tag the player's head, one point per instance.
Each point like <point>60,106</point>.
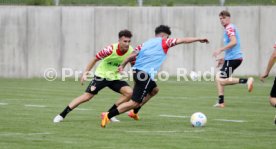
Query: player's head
<point>163,31</point>
<point>124,39</point>
<point>224,17</point>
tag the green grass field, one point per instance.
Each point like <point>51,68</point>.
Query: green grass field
<point>27,107</point>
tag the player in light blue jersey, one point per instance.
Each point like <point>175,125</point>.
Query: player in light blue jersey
<point>232,59</point>
<point>148,61</point>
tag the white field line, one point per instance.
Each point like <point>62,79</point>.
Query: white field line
<point>39,133</point>
<point>174,116</point>
<point>18,134</point>
<point>3,104</point>
<point>163,131</point>
<point>223,120</point>
<point>37,106</point>
<point>209,97</point>
<point>235,121</point>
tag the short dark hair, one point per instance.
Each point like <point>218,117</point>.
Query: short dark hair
<point>225,13</point>
<point>125,33</point>
<point>162,29</point>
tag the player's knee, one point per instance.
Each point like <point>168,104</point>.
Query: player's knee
<point>154,91</point>
<point>222,81</point>
<point>272,101</point>
<point>134,104</point>
<point>127,92</point>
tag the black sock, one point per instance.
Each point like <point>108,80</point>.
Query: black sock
<point>65,111</point>
<point>243,81</point>
<point>112,108</point>
<point>113,113</point>
<point>136,110</point>
<point>221,99</point>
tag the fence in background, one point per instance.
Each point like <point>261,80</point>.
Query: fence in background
<point>36,38</point>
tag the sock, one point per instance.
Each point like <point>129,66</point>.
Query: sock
<point>113,113</point>
<point>221,99</point>
<point>136,110</point>
<point>65,111</point>
<point>243,81</point>
<point>112,108</point>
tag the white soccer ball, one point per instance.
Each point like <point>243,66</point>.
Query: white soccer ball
<point>198,119</point>
<point>194,75</point>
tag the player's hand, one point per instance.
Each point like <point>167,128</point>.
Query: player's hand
<point>263,76</point>
<point>204,40</point>
<point>83,78</point>
<point>216,53</point>
<point>220,62</point>
<point>120,69</point>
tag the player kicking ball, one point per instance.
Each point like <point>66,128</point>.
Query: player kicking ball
<point>232,59</point>
<point>272,60</point>
<point>152,54</point>
<point>106,75</point>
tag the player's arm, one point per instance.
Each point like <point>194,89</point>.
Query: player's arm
<point>232,43</point>
<point>269,65</point>
<point>130,58</point>
<point>231,33</point>
<point>191,40</point>
<point>100,55</point>
<point>89,66</point>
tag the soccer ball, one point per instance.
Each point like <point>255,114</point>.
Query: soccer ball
<point>194,76</point>
<point>198,119</point>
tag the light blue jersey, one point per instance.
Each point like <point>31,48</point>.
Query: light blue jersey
<point>150,57</point>
<point>234,52</point>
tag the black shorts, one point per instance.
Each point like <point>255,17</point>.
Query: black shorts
<point>99,83</point>
<point>143,85</point>
<point>273,90</point>
<point>228,67</point>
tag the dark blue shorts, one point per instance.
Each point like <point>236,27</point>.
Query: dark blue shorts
<point>143,85</point>
<point>99,83</point>
<point>228,67</point>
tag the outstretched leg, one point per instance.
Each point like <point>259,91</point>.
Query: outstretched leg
<point>72,105</point>
<point>134,113</point>
<point>221,82</point>
<point>126,93</point>
<point>223,78</point>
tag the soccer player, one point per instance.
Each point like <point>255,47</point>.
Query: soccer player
<point>134,112</point>
<point>270,64</point>
<point>232,59</point>
<point>106,75</point>
<point>152,54</point>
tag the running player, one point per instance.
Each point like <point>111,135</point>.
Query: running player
<point>106,75</point>
<point>232,59</point>
<point>149,59</point>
